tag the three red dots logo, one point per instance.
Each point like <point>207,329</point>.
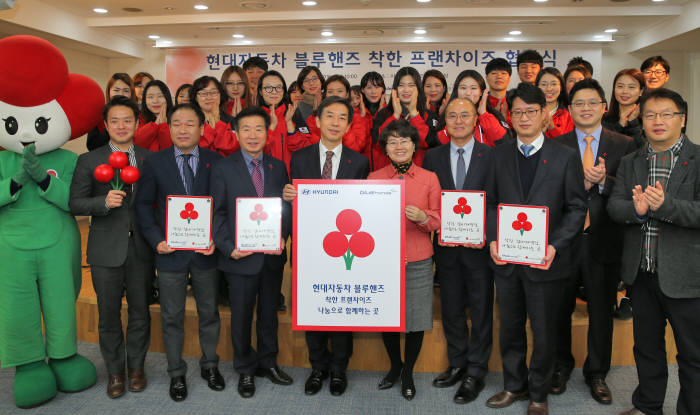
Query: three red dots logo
<point>522,224</point>
<point>462,208</point>
<point>336,243</point>
<point>189,213</point>
<point>258,214</point>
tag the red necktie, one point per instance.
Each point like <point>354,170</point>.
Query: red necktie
<point>257,177</point>
<point>327,172</point>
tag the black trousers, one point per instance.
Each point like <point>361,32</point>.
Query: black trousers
<point>469,283</point>
<point>518,298</point>
<point>651,310</point>
<point>599,280</point>
<point>243,291</point>
<point>336,359</point>
<point>108,282</point>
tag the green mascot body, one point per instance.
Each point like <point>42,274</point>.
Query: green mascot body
<point>42,106</point>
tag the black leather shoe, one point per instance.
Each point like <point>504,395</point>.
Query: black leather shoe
<point>408,388</point>
<point>339,381</point>
<point>275,374</point>
<point>468,390</point>
<point>388,381</point>
<point>214,379</point>
<point>178,388</point>
<point>281,306</point>
<point>315,381</point>
<point>558,384</point>
<point>246,385</point>
<point>599,390</point>
<point>450,377</point>
<point>624,309</point>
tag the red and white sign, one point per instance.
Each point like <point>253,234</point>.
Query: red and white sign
<point>462,217</point>
<point>258,224</point>
<point>522,233</point>
<point>188,222</point>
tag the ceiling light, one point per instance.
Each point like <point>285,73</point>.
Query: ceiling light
<point>154,37</point>
<point>326,33</point>
<point>423,1</point>
<point>420,31</point>
<point>657,1</point>
<point>101,11</point>
<point>515,32</point>
<point>541,1</point>
<point>238,36</point>
<point>308,3</point>
<point>201,7</point>
<point>611,30</point>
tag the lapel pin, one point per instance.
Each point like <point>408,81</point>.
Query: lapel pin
<point>208,165</point>
<point>605,154</point>
<point>349,161</point>
<point>544,161</point>
<point>685,163</point>
<point>478,154</point>
<point>269,165</point>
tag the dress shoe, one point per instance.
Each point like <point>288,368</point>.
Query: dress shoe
<point>137,380</point>
<point>633,411</point>
<point>624,309</point>
<point>214,379</point>
<point>339,381</point>
<point>558,384</point>
<point>388,381</point>
<point>115,385</point>
<point>506,398</point>
<point>450,377</point>
<point>315,381</point>
<point>600,391</point>
<point>408,388</point>
<point>275,374</point>
<point>468,390</point>
<point>537,408</point>
<point>246,385</point>
<point>178,388</point>
<point>281,306</point>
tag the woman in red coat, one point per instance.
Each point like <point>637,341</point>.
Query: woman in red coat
<point>559,122</point>
<point>372,88</point>
<point>235,83</point>
<point>153,132</point>
<point>209,95</point>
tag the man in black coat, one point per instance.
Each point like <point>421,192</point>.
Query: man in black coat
<point>532,171</point>
<point>251,276</point>
<point>328,160</point>
<point>183,169</point>
<point>464,272</point>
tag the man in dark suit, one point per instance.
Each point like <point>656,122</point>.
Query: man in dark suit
<point>328,160</point>
<point>251,276</point>
<point>532,171</point>
<point>657,200</point>
<point>182,170</point>
<point>118,254</point>
<point>599,244</point>
<point>464,271</point>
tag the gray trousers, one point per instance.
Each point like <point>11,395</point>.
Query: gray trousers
<point>173,293</point>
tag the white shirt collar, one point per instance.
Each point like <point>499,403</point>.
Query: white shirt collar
<point>537,144</point>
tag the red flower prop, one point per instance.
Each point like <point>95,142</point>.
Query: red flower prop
<point>258,214</point>
<point>522,224</point>
<point>336,243</point>
<point>462,208</point>
<point>119,161</point>
<point>104,173</point>
<point>189,213</point>
<point>130,174</point>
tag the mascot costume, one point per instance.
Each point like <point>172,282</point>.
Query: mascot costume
<point>42,106</point>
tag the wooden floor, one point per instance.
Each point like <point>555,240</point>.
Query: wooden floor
<point>369,353</point>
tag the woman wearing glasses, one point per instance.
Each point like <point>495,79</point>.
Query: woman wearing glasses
<point>153,132</point>
<point>558,120</point>
<point>235,82</point>
<point>623,113</point>
<point>209,95</point>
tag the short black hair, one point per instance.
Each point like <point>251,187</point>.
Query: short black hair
<point>253,112</point>
<point>664,93</point>
<point>201,83</point>
<point>255,61</point>
<point>327,101</point>
<point>529,93</point>
<point>120,101</point>
<point>588,83</point>
<point>653,60</point>
<point>399,128</point>
<point>499,64</point>
<point>579,61</point>
<point>338,78</point>
<point>374,78</point>
<point>530,56</point>
<point>285,96</point>
<point>186,106</point>
<point>305,72</point>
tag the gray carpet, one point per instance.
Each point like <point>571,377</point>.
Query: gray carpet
<point>362,396</point>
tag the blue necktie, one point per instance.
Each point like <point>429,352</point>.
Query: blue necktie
<point>527,149</point>
<point>188,173</point>
<point>461,169</point>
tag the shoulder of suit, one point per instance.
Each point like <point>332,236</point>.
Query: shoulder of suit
<point>615,136</point>
<point>481,147</point>
<point>208,154</point>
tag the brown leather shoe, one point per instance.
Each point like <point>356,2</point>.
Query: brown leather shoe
<point>506,398</point>
<point>600,391</point>
<point>537,408</point>
<point>115,385</point>
<point>137,380</point>
<point>633,411</point>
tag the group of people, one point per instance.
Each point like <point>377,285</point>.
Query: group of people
<point>619,177</point>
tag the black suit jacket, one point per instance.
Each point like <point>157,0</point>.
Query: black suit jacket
<point>558,184</point>
<point>108,240</point>
<point>160,177</point>
<point>437,160</point>
<point>306,164</point>
<point>230,179</point>
<point>606,235</point>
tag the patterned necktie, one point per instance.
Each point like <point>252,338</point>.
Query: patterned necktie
<point>327,172</point>
<point>257,177</point>
<point>461,169</point>
<point>527,149</point>
<point>588,162</point>
<point>188,173</point>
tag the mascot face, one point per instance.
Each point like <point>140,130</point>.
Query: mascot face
<point>45,125</point>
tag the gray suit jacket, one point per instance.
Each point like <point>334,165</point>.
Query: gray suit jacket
<point>108,240</point>
<point>679,233</point>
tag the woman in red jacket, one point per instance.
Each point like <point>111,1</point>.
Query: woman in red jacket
<point>559,122</point>
<point>372,87</point>
<point>435,89</point>
<point>153,132</point>
<point>235,82</point>
<point>209,95</point>
<point>491,126</point>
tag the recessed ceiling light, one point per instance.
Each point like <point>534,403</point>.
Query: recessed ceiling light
<point>423,1</point>
<point>611,30</point>
<point>657,1</point>
<point>101,11</point>
<point>238,36</point>
<point>132,9</point>
<point>201,7</point>
<point>168,8</point>
<point>515,32</point>
<point>541,1</point>
<point>308,3</point>
<point>153,37</point>
<point>420,31</point>
<point>326,33</point>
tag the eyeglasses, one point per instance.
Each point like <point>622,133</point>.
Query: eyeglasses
<point>666,116</point>
<point>398,143</point>
<point>658,72</point>
<point>529,113</point>
<point>271,89</point>
<point>238,84</point>
<point>453,116</point>
<point>310,80</point>
<point>581,103</point>
<point>208,94</point>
